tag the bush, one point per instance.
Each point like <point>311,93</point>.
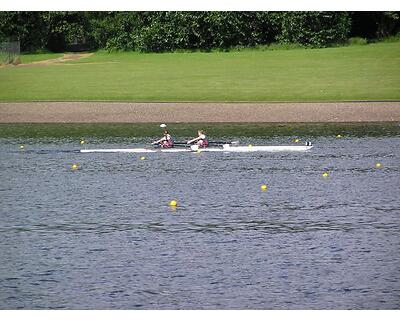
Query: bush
<point>357,41</point>
<point>169,31</point>
<point>394,38</point>
<point>284,46</point>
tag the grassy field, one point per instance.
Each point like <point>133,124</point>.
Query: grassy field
<point>368,72</point>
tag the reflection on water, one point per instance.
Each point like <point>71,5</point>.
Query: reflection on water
<point>140,130</point>
<point>104,236</point>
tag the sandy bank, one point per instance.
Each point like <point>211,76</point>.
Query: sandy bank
<point>118,112</point>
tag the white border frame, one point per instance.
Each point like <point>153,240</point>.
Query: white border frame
<point>200,5</point>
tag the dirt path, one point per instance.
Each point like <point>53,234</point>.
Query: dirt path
<point>92,112</point>
<point>65,58</point>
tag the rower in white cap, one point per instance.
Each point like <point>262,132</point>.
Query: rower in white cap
<point>166,141</point>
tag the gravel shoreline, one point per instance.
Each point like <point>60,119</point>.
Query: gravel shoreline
<point>132,112</point>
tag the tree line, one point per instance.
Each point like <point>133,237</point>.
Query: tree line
<point>170,31</point>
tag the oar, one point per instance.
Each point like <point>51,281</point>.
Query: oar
<point>223,142</point>
<point>179,143</point>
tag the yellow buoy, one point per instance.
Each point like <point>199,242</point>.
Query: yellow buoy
<point>198,151</point>
<point>250,145</point>
<point>338,136</point>
<point>378,165</point>
<point>142,158</point>
<point>296,140</point>
<point>264,187</point>
<point>82,141</point>
<point>21,147</point>
<point>325,174</point>
<point>173,203</point>
<point>74,167</point>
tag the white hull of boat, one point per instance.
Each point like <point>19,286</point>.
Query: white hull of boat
<point>135,150</point>
<point>259,148</point>
<point>225,148</point>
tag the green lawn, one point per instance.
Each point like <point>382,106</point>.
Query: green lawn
<point>369,72</point>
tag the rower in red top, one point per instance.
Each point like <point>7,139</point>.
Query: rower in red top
<point>201,139</point>
<point>166,141</point>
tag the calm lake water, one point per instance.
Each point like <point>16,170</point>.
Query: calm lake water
<point>104,236</point>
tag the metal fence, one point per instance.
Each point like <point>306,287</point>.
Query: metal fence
<point>9,52</point>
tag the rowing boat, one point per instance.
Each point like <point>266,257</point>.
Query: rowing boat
<point>224,148</point>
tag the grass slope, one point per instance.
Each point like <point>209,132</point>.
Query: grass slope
<point>369,72</point>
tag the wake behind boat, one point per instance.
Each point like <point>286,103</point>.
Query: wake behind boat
<point>195,148</point>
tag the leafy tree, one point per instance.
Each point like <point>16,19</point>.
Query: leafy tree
<point>168,31</point>
<point>66,28</point>
<point>375,24</point>
<point>28,27</point>
<point>115,30</point>
<point>314,29</point>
